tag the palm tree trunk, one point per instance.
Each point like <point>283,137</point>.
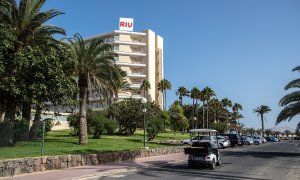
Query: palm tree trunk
<point>203,113</point>
<point>6,128</point>
<point>34,130</point>
<point>262,125</point>
<point>193,114</point>
<point>207,116</point>
<point>180,97</point>
<point>165,103</point>
<point>83,136</point>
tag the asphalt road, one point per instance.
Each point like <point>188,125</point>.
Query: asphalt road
<point>268,161</point>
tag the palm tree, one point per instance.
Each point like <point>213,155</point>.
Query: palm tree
<point>201,97</point>
<point>268,132</point>
<point>208,94</point>
<point>145,86</point>
<point>290,102</point>
<point>181,92</point>
<point>215,105</point>
<point>226,103</point>
<point>117,84</point>
<point>91,60</point>
<point>236,107</point>
<point>27,22</point>
<point>163,86</point>
<point>261,111</point>
<point>194,93</point>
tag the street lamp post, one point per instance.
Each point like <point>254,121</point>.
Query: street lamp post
<point>144,101</point>
<point>194,122</point>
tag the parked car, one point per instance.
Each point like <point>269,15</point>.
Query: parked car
<point>235,139</point>
<point>223,141</point>
<point>263,140</point>
<point>257,140</point>
<point>247,140</point>
<point>274,139</point>
<point>269,139</point>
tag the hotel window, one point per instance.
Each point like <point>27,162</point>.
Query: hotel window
<point>116,48</point>
<point>116,58</point>
<point>116,38</point>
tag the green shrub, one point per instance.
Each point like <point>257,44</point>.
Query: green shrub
<point>110,126</point>
<point>153,126</point>
<point>97,123</point>
<point>49,123</point>
<point>73,121</point>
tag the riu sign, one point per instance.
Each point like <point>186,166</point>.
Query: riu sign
<point>126,24</point>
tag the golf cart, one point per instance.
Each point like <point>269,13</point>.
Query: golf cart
<point>205,150</point>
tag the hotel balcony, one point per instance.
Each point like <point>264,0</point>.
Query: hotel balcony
<point>135,96</point>
<point>131,43</point>
<point>133,54</point>
<point>135,86</point>
<point>133,64</point>
<point>136,75</point>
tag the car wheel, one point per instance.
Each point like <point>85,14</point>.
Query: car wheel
<point>185,143</point>
<point>248,143</point>
<point>256,143</point>
<point>213,164</point>
<point>221,145</point>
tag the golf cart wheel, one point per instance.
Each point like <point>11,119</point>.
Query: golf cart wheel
<point>218,163</point>
<point>213,164</point>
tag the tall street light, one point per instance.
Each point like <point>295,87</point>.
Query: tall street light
<point>144,101</point>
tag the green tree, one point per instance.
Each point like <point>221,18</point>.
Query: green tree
<point>25,24</point>
<point>91,60</point>
<point>261,111</point>
<point>163,86</point>
<point>129,114</point>
<point>290,102</point>
<point>181,92</point>
<point>177,119</point>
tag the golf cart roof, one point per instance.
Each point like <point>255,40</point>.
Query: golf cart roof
<point>202,130</point>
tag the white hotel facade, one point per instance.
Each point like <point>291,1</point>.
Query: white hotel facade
<point>140,54</point>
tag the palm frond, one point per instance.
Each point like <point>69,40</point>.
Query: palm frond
<point>297,68</point>
<point>288,112</point>
<point>293,84</point>
<point>290,98</point>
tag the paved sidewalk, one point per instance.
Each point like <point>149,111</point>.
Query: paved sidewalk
<point>86,172</point>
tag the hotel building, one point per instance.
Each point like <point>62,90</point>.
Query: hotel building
<point>140,54</point>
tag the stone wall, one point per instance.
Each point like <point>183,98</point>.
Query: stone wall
<point>11,167</point>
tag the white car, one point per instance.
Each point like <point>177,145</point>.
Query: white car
<point>257,140</point>
<point>223,142</point>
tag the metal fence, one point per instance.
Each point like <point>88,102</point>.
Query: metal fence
<point>14,140</point>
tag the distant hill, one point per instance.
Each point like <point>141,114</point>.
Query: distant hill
<point>282,128</point>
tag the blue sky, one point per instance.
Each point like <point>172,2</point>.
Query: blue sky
<point>244,50</point>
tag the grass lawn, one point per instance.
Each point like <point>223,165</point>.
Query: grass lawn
<point>60,142</point>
